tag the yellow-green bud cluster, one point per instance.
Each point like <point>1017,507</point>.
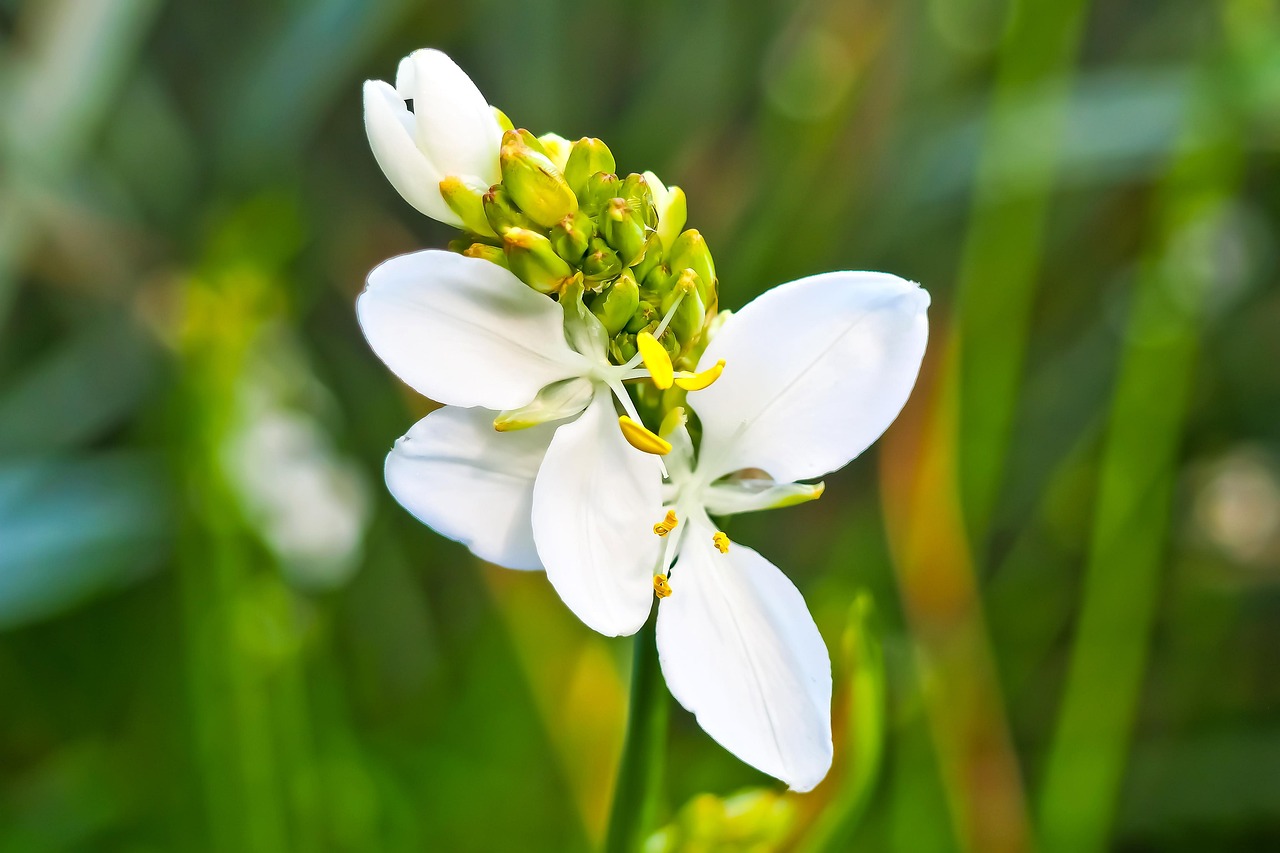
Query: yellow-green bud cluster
<point>562,216</point>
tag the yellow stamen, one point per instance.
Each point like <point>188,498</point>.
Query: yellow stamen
<point>661,587</point>
<point>721,542</point>
<point>698,381</point>
<point>641,438</point>
<point>656,360</point>
<point>668,524</point>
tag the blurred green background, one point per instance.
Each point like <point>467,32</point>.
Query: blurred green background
<point>218,632</point>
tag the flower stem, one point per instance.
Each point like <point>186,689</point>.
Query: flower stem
<point>635,795</point>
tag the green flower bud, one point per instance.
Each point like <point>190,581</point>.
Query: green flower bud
<point>535,184</point>
<point>557,149</point>
<point>615,305</point>
<point>485,252</point>
<point>531,258</point>
<point>501,212</point>
<point>601,262</point>
<point>623,229</point>
<point>686,323</point>
<point>672,208</point>
<point>532,141</point>
<point>690,251</point>
<point>588,157</point>
<point>659,281</point>
<point>635,189</point>
<point>503,121</point>
<point>599,189</point>
<point>623,348</point>
<point>467,200</point>
<point>571,235</point>
<point>646,316</point>
<point>652,257</point>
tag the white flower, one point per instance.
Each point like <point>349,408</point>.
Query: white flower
<point>575,496</point>
<point>451,132</point>
<point>816,370</point>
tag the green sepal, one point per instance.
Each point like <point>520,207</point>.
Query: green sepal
<point>466,198</point>
<point>617,303</point>
<point>588,156</point>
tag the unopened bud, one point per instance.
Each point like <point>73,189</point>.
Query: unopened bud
<point>659,281</point>
<point>535,184</point>
<point>690,251</point>
<point>690,314</point>
<point>532,141</point>
<point>588,157</point>
<point>623,348</point>
<point>601,262</point>
<point>624,230</point>
<point>600,188</point>
<point>571,235</point>
<point>635,189</point>
<point>557,149</point>
<point>617,303</point>
<point>485,252</point>
<point>467,200</point>
<point>531,258</point>
<point>672,208</point>
<point>501,212</point>
<point>503,121</point>
<point>646,316</point>
<point>652,257</point>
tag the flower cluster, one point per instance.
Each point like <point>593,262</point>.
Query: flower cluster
<point>599,410</point>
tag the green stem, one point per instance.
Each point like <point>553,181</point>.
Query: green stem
<point>635,795</point>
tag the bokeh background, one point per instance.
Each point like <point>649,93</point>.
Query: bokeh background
<point>1052,591</point>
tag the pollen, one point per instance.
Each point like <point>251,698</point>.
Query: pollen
<point>656,360</point>
<point>661,587</point>
<point>668,524</point>
<point>698,381</point>
<point>721,542</point>
<point>642,438</point>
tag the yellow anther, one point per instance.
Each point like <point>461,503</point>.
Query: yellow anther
<point>668,524</point>
<point>721,542</point>
<point>656,360</point>
<point>698,381</point>
<point>661,587</point>
<point>641,438</point>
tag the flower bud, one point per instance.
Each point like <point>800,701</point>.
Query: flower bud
<point>601,262</point>
<point>531,258</point>
<point>588,157</point>
<point>466,198</point>
<point>623,348</point>
<point>623,229</point>
<point>535,184</point>
<point>652,257</point>
<point>659,281</point>
<point>501,212</point>
<point>646,316</point>
<point>571,235</point>
<point>635,189</point>
<point>690,251</point>
<point>532,141</point>
<point>615,305</point>
<point>599,189</point>
<point>686,323</point>
<point>556,148</point>
<point>503,121</point>
<point>672,208</point>
<point>485,252</point>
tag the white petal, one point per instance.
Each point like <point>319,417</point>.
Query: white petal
<point>464,331</point>
<point>815,370</point>
<point>740,650</point>
<point>468,482</point>
<point>594,507</point>
<point>456,126</point>
<point>390,129</point>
